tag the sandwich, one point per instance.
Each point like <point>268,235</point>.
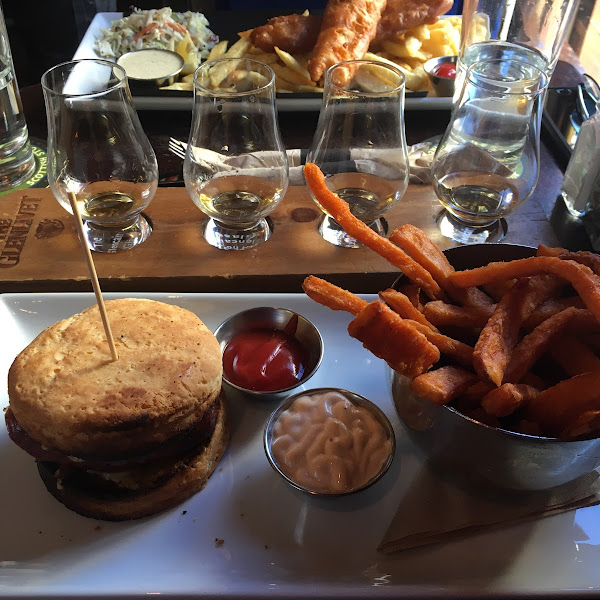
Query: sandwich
<point>121,439</point>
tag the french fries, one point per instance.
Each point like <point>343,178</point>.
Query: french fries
<point>528,363</point>
<point>409,54</point>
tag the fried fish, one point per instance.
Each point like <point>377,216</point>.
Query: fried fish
<point>347,29</point>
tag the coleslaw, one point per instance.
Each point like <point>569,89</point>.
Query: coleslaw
<point>156,28</point>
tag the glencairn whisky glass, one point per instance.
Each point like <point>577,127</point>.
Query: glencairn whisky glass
<point>236,169</point>
<point>98,150</point>
<point>360,145</point>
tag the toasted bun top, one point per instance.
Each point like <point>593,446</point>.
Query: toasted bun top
<point>67,393</point>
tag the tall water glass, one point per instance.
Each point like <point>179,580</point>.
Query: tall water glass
<point>98,150</point>
<point>529,30</point>
<point>17,162</point>
<point>236,168</point>
<point>360,144</point>
<point>487,163</point>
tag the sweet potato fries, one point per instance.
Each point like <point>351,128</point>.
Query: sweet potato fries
<point>526,360</point>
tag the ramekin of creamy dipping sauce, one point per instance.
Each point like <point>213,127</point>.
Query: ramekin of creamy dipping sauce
<point>152,65</point>
<point>329,441</point>
<point>268,351</point>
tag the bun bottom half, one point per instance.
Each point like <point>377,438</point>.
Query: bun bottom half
<point>184,483</point>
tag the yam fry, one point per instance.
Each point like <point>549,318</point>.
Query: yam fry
<point>551,307</point>
<point>421,249</point>
<point>503,401</point>
<point>535,381</point>
<point>584,425</point>
<point>471,397</point>
<point>393,339</point>
<point>574,356</point>
<point>402,305</point>
<point>497,290</point>
<point>514,378</point>
<point>332,296</point>
<point>585,282</point>
<point>340,211</point>
<point>443,385</point>
<point>411,291</point>
<point>558,405</point>
<point>589,259</point>
<point>543,250</point>
<point>418,246</point>
<point>500,334</point>
<point>455,349</point>
<point>442,314</point>
<point>529,350</point>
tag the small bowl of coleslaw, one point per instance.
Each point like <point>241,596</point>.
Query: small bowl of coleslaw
<point>329,442</point>
<point>164,37</point>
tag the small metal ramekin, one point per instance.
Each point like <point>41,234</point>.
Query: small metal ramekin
<point>356,399</point>
<point>269,317</point>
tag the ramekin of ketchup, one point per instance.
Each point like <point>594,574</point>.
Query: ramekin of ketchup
<point>445,69</point>
<point>442,74</point>
<point>268,351</point>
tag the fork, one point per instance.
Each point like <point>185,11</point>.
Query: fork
<point>178,148</point>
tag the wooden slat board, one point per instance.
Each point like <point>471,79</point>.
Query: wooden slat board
<point>39,250</point>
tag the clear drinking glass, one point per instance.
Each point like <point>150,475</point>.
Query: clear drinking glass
<point>98,150</point>
<point>17,162</point>
<point>532,31</point>
<point>236,168</point>
<point>360,144</point>
<point>487,162</point>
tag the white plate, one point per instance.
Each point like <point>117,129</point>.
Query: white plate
<point>278,543</point>
<point>184,101</point>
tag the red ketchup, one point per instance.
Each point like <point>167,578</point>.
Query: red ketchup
<point>264,360</point>
<point>447,69</point>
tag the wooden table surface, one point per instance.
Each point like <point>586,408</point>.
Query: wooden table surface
<point>39,249</point>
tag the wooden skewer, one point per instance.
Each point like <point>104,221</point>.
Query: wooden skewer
<point>93,276</point>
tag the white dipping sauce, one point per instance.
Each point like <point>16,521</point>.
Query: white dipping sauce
<point>326,443</point>
<point>151,63</point>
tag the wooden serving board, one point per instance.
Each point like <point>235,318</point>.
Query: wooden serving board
<point>39,250</point>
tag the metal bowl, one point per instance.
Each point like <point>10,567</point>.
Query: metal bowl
<point>477,453</point>
<point>269,317</point>
<point>442,86</point>
<point>356,399</point>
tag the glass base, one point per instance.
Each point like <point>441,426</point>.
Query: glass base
<point>331,231</point>
<point>17,168</point>
<point>106,238</point>
<point>226,237</point>
<point>466,233</point>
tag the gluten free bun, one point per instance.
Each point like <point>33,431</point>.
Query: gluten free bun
<point>127,438</point>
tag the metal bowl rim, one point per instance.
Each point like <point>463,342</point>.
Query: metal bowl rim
<point>353,397</point>
<point>305,377</point>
